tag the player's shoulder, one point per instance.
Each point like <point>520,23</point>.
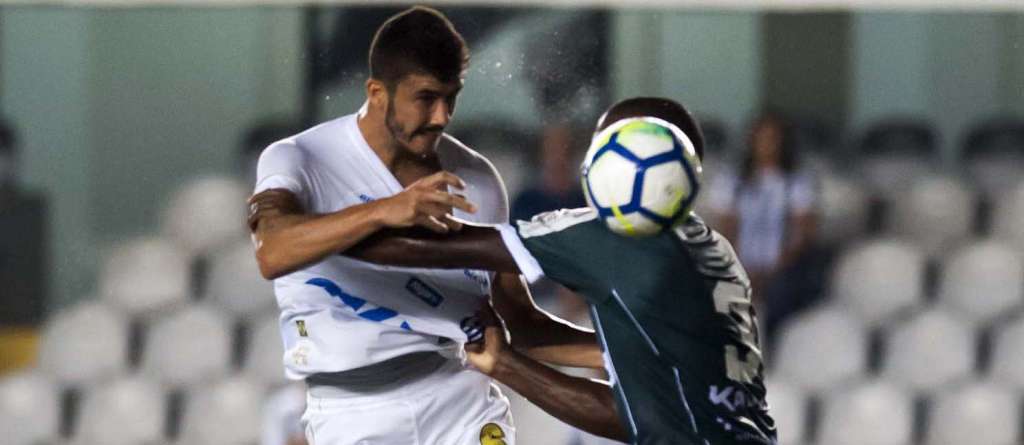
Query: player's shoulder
<point>555,221</point>
<point>302,147</point>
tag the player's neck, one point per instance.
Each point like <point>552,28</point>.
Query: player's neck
<point>379,139</point>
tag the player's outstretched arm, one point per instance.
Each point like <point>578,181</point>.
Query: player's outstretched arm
<point>288,238</point>
<point>474,247</point>
<point>586,404</point>
<point>539,334</point>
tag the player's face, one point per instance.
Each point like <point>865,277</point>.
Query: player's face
<point>419,109</point>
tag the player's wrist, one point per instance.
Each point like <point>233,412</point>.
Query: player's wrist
<point>505,362</point>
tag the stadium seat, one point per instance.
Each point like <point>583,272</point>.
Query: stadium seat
<point>932,349</point>
<point>879,279</point>
<point>235,402</point>
<point>84,344</point>
<point>876,413</point>
<point>844,209</point>
<point>979,413</point>
<point>206,214</point>
<point>821,348</point>
<point>982,281</point>
<point>235,282</point>
<point>1007,214</point>
<point>29,409</point>
<point>993,152</point>
<point>894,152</point>
<point>264,360</point>
<point>936,214</point>
<point>788,406</point>
<point>145,275</point>
<point>190,347</point>
<point>124,412</point>
<point>1007,365</point>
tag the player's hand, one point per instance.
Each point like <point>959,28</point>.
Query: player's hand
<point>487,340</point>
<point>427,203</point>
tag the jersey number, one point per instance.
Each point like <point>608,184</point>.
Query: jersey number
<point>731,300</point>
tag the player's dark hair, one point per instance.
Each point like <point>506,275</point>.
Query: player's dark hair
<point>665,109</point>
<point>419,40</point>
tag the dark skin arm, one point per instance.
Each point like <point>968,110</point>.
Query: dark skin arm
<point>288,237</point>
<point>584,403</point>
<point>537,333</point>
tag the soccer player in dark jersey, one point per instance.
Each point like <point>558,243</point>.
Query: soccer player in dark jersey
<point>672,311</point>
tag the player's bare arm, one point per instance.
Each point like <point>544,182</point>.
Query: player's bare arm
<point>584,403</point>
<point>539,334</point>
<point>288,238</point>
<point>474,247</point>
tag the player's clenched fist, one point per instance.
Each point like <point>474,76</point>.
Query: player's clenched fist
<point>426,203</point>
<point>484,353</point>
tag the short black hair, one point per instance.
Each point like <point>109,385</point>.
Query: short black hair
<point>659,107</point>
<point>419,40</point>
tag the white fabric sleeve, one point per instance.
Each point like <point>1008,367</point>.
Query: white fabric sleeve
<point>282,165</point>
<point>527,264</point>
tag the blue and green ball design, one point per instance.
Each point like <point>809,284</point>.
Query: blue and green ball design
<point>642,175</point>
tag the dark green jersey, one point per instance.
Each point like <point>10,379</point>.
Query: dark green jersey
<point>674,316</point>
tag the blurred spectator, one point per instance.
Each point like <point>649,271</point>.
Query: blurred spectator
<point>768,210</point>
<point>558,186</point>
<point>23,229</point>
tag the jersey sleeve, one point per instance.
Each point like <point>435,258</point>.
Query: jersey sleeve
<point>283,166</point>
<point>484,186</point>
<point>562,245</point>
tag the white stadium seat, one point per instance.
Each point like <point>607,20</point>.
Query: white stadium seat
<point>931,350</point>
<point>145,275</point>
<point>994,175</point>
<point>1007,366</point>
<point>189,347</point>
<point>879,279</point>
<point>887,174</point>
<point>844,209</point>
<point>206,214</point>
<point>975,414</point>
<point>1007,214</point>
<point>936,214</point>
<point>29,409</point>
<point>85,344</point>
<point>821,348</point>
<point>876,413</point>
<point>235,403</point>
<point>788,406</point>
<point>235,282</point>
<point>124,412</point>
<point>264,361</point>
<point>982,281</point>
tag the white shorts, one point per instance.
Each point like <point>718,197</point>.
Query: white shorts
<point>453,405</point>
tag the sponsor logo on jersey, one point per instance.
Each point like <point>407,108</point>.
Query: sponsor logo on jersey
<point>492,434</point>
<point>733,398</point>
<point>424,292</point>
<point>365,198</point>
<point>362,308</point>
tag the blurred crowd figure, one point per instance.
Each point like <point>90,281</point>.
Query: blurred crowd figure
<point>768,208</point>
<point>23,233</point>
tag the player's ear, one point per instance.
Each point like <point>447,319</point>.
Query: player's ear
<point>376,93</point>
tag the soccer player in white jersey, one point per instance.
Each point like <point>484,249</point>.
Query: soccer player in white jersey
<point>380,347</point>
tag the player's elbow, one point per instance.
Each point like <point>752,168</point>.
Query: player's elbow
<point>269,262</point>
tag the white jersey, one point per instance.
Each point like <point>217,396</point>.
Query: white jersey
<point>340,313</point>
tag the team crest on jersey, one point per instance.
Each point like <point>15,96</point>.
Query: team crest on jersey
<point>492,434</point>
<point>301,326</point>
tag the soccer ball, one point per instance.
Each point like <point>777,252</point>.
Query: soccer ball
<point>641,175</point>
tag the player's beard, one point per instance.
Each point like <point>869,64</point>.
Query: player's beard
<point>403,138</point>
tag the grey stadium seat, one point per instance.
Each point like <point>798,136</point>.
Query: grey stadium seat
<point>879,279</point>
<point>821,348</point>
<point>29,409</point>
<point>979,413</point>
<point>85,344</point>
<point>124,412</point>
<point>190,347</point>
<point>876,413</point>
<point>264,361</point>
<point>206,214</point>
<point>936,214</point>
<point>844,209</point>
<point>145,275</point>
<point>982,281</point>
<point>236,284</point>
<point>1007,214</point>
<point>1007,365</point>
<point>788,406</point>
<point>931,350</point>
<point>233,402</point>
